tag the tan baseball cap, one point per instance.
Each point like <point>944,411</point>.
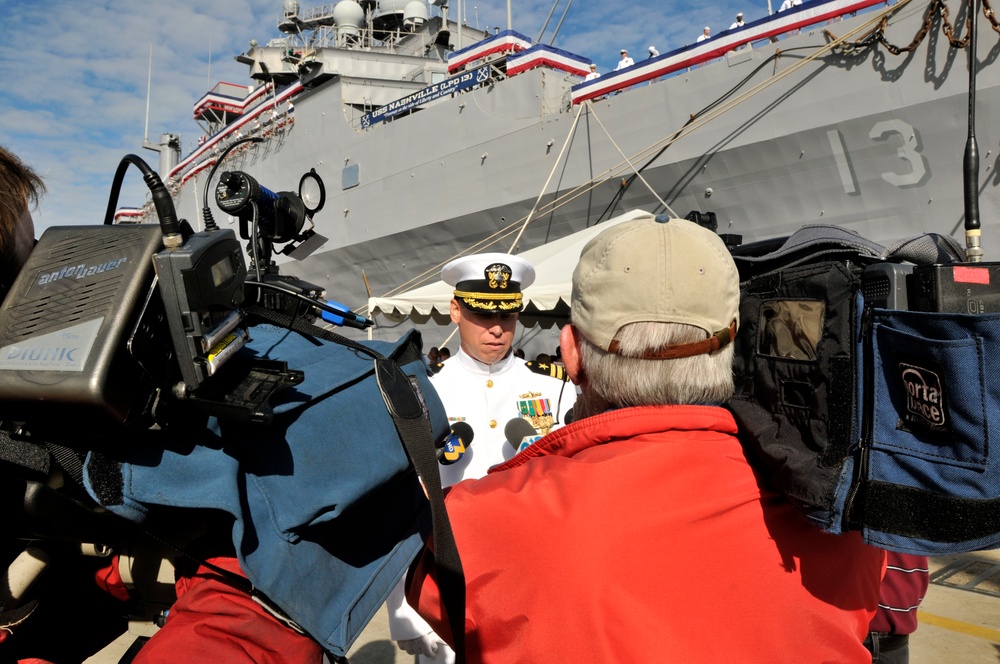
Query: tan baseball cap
<point>659,270</point>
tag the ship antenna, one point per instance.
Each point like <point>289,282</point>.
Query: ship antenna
<point>561,19</point>
<point>970,172</point>
<point>208,76</point>
<point>149,87</point>
<point>538,39</point>
<point>170,144</point>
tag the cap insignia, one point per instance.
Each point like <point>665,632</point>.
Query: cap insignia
<point>498,275</point>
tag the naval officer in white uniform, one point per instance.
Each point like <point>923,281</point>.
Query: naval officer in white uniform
<point>485,386</point>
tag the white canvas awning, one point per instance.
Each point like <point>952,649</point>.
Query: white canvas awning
<point>545,301</point>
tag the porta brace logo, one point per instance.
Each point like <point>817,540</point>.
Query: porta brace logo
<point>80,271</point>
<point>924,394</point>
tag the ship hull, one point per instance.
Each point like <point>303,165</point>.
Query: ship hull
<point>869,141</point>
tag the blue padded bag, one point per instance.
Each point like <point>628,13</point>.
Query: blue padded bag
<point>929,456</point>
<point>328,510</point>
<point>872,419</point>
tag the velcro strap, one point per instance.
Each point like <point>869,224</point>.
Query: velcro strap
<point>903,510</point>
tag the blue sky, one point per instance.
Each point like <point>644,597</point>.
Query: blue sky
<point>76,71</point>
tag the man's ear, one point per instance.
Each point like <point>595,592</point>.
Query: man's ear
<point>456,312</point>
<point>569,344</point>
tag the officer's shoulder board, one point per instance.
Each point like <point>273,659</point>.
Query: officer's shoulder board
<point>436,367</point>
<point>548,369</point>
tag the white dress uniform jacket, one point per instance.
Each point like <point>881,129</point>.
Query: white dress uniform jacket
<point>486,397</point>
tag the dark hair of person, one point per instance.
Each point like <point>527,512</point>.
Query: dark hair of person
<point>20,189</point>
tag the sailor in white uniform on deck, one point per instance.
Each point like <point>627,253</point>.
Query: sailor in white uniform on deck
<point>485,386</point>
<point>624,62</point>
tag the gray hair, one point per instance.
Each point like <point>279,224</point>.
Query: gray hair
<point>623,379</point>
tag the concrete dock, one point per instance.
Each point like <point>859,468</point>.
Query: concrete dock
<point>960,617</point>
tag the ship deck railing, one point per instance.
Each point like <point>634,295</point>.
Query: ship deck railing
<point>272,113</point>
<point>230,98</point>
<point>810,12</point>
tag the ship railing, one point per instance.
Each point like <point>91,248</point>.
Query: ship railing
<point>541,55</point>
<point>316,29</point>
<point>271,114</point>
<point>809,13</point>
<point>231,98</point>
<point>131,215</point>
<point>508,41</point>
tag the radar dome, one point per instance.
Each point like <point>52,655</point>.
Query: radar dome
<point>349,16</point>
<point>291,7</point>
<point>415,14</point>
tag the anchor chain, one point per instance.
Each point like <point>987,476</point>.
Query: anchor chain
<point>988,11</point>
<point>935,8</point>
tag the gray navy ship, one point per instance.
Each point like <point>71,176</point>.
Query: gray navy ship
<point>429,139</point>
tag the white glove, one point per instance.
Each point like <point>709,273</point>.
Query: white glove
<point>426,645</point>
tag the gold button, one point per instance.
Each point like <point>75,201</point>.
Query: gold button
<point>489,383</point>
<point>493,424</point>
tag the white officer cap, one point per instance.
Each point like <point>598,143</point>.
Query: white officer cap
<point>489,283</point>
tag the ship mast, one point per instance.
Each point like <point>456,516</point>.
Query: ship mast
<point>169,147</point>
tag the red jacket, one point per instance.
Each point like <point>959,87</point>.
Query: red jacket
<point>642,534</point>
<point>214,622</point>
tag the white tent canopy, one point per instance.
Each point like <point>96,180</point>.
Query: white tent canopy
<point>545,300</point>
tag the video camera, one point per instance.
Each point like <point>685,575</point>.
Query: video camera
<point>113,321</point>
<point>120,343</point>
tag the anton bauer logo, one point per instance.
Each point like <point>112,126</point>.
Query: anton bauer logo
<point>924,395</point>
<point>80,271</point>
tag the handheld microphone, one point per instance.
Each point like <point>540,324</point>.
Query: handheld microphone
<point>457,443</point>
<point>519,433</point>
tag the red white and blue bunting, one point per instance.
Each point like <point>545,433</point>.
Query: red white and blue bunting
<point>507,41</point>
<point>196,161</point>
<point>540,54</point>
<point>808,13</point>
<point>216,100</point>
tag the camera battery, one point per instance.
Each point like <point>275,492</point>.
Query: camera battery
<point>67,320</point>
<point>967,288</point>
